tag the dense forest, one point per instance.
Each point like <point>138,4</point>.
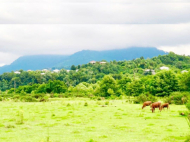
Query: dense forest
<point>111,79</point>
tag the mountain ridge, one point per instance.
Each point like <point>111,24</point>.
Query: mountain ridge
<point>38,62</point>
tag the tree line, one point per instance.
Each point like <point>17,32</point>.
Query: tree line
<point>115,78</point>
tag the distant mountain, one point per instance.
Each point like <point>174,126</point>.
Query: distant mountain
<point>36,62</point>
<point>33,62</point>
<point>85,56</point>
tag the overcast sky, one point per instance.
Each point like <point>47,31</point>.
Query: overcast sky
<point>29,27</point>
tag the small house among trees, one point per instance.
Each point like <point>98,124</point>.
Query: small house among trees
<point>184,71</point>
<point>56,71</point>
<point>102,62</point>
<point>92,62</point>
<point>164,68</point>
<point>17,72</point>
<point>149,71</point>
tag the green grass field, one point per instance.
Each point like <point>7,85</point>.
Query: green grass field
<point>68,120</point>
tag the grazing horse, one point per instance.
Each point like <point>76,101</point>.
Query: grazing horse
<point>156,105</point>
<point>147,103</point>
<point>165,105</point>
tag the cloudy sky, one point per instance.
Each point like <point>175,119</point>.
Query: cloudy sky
<point>29,27</point>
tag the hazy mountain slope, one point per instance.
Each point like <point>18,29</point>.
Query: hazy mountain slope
<point>35,62</point>
<point>86,56</point>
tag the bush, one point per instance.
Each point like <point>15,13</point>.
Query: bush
<point>85,104</point>
<point>143,98</point>
<point>16,97</point>
<point>107,103</point>
<point>38,95</point>
<point>188,105</point>
<point>44,99</point>
<point>188,139</point>
<point>1,99</point>
<point>178,98</point>
<point>29,99</point>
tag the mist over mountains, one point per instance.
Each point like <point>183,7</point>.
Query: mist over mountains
<point>38,62</point>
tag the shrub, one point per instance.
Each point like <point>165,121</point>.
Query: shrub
<point>143,98</point>
<point>188,139</point>
<point>177,98</point>
<point>38,95</point>
<point>107,103</point>
<point>16,97</point>
<point>11,91</point>
<point>99,99</point>
<point>9,126</point>
<point>60,96</point>
<point>188,105</point>
<point>68,104</point>
<point>44,99</point>
<point>1,99</point>
<point>85,104</point>
<point>28,99</point>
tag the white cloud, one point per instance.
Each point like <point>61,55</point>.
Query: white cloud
<point>7,58</point>
<point>67,26</point>
<point>180,49</point>
<point>67,39</point>
<point>94,13</point>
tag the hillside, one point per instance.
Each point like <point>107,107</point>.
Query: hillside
<point>92,73</point>
<point>35,62</point>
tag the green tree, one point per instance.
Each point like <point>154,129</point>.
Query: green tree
<point>73,67</point>
<point>135,88</point>
<point>108,83</point>
<point>163,83</point>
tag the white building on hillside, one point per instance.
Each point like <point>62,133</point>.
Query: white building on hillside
<point>103,62</point>
<point>164,68</point>
<point>92,62</point>
<point>17,72</point>
<point>56,71</point>
<point>184,71</point>
<point>149,70</point>
<point>45,70</point>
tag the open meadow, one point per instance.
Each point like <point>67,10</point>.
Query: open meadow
<point>85,120</point>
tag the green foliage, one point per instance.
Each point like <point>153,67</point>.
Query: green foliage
<point>188,106</point>
<point>16,97</point>
<point>135,88</point>
<point>85,104</point>
<point>107,103</point>
<point>108,86</point>
<point>28,99</point>
<point>73,67</point>
<point>112,79</point>
<point>10,91</point>
<point>163,83</point>
<point>178,98</point>
<point>188,139</point>
<point>185,81</point>
<point>144,97</point>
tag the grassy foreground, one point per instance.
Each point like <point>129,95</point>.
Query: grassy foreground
<point>68,120</point>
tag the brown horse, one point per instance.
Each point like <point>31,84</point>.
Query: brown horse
<point>166,105</point>
<point>147,103</point>
<point>155,105</point>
